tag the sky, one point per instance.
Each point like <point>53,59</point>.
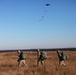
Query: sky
<point>29,24</point>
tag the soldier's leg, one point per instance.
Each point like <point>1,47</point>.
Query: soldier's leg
<point>23,61</point>
<point>19,63</point>
<point>38,61</point>
<point>42,62</point>
<point>63,63</point>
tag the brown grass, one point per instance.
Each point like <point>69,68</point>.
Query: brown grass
<point>9,66</point>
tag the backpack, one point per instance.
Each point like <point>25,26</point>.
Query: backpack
<point>67,56</point>
<point>43,55</point>
<point>64,56</point>
<point>23,56</point>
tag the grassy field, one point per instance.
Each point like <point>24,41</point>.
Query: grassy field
<point>9,65</point>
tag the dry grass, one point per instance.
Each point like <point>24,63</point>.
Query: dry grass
<point>9,66</point>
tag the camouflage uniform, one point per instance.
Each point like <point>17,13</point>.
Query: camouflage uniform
<point>20,59</point>
<point>60,56</point>
<point>40,59</point>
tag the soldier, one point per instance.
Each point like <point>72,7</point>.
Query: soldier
<point>21,58</point>
<point>41,56</point>
<point>62,57</point>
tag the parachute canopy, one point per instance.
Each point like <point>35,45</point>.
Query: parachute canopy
<point>47,4</point>
<point>43,16</point>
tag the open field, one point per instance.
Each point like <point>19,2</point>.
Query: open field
<point>9,66</point>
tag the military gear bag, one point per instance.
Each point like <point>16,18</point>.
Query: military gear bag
<point>43,55</point>
<point>23,56</point>
<point>65,57</point>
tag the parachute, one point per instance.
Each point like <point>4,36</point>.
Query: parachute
<point>47,4</point>
<point>43,16</point>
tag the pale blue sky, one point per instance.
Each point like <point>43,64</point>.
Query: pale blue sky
<point>20,27</point>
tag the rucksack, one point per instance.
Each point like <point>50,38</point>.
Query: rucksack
<point>67,56</point>
<point>23,56</point>
<point>64,56</point>
<point>43,55</point>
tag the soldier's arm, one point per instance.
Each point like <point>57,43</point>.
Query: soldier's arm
<point>58,52</point>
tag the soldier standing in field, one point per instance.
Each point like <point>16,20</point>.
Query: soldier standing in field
<point>41,56</point>
<point>62,57</point>
<point>21,58</point>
